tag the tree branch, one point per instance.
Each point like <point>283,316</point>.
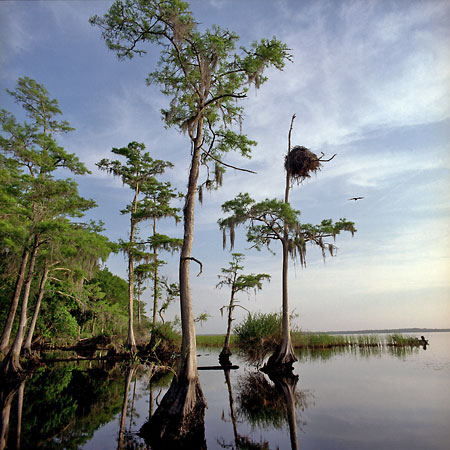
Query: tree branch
<point>325,160</point>
<point>197,261</point>
<point>225,164</point>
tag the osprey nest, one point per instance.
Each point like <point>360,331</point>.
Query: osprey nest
<point>300,162</point>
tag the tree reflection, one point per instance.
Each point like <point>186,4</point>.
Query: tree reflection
<point>240,441</point>
<point>6,397</point>
<point>123,416</point>
<point>60,407</point>
<point>263,403</point>
<point>162,434</point>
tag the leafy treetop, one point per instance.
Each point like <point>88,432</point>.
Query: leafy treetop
<point>267,220</point>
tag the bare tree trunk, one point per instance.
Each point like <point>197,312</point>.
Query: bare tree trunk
<point>19,413</point>
<point>139,309</point>
<point>6,398</point>
<point>231,401</point>
<point>11,363</point>
<point>188,365</point>
<point>180,415</point>
<point>224,357</point>
<point>4,344</point>
<point>155,279</point>
<point>132,405</point>
<point>284,356</point>
<point>287,386</point>
<point>123,416</point>
<point>131,341</point>
<point>27,345</point>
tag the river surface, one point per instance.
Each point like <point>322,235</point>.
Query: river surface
<point>349,399</point>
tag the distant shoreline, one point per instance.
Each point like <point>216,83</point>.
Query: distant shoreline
<point>390,330</point>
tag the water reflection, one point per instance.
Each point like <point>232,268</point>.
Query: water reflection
<point>123,416</point>
<point>240,441</point>
<point>264,404</point>
<point>6,397</point>
<point>103,405</point>
<point>61,407</point>
<point>162,433</point>
<point>326,354</point>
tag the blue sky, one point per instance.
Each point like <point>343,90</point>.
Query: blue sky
<point>370,81</point>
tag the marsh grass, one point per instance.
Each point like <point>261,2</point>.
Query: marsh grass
<point>214,340</point>
<point>398,340</point>
<point>260,332</point>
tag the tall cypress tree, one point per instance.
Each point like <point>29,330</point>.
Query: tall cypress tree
<point>205,77</point>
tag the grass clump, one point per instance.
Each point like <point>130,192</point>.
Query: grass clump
<point>398,340</point>
<point>319,340</point>
<point>259,330</point>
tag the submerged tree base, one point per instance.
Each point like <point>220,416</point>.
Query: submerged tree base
<point>224,357</point>
<point>179,421</point>
<point>10,368</point>
<point>280,363</point>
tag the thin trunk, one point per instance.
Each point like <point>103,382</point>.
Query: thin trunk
<point>11,363</point>
<point>226,345</point>
<point>19,413</point>
<point>155,279</point>
<point>132,405</point>
<point>6,398</point>
<point>123,416</point>
<point>93,325</point>
<point>231,401</point>
<point>131,341</point>
<point>139,308</point>
<point>27,345</point>
<point>4,344</point>
<point>224,356</point>
<point>284,356</point>
<point>151,401</point>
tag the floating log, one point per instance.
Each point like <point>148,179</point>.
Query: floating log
<point>217,367</point>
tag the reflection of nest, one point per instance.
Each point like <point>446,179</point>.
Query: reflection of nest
<point>300,162</point>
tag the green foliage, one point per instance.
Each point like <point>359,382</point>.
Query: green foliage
<point>201,72</point>
<point>238,283</point>
<point>259,330</point>
<point>203,317</point>
<point>33,143</point>
<point>139,167</point>
<point>274,220</point>
<point>167,335</point>
<point>64,406</point>
<point>263,404</point>
<point>399,340</point>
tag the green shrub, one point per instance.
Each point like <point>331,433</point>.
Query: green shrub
<point>166,334</point>
<point>259,330</point>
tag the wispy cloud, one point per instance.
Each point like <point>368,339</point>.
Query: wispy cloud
<point>15,38</point>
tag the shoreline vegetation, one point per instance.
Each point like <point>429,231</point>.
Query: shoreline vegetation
<point>163,355</point>
<point>306,340</point>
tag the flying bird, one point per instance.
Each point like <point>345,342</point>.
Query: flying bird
<point>356,198</point>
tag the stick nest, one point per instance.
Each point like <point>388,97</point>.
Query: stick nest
<point>301,162</point>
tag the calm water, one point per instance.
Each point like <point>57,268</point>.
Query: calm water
<point>342,400</point>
